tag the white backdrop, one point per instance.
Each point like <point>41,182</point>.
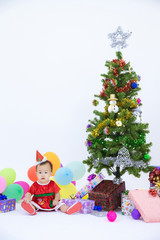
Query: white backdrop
<point>51,56</point>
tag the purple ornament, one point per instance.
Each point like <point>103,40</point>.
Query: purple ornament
<point>89,144</point>
<point>135,214</point>
<point>139,77</point>
<point>91,177</point>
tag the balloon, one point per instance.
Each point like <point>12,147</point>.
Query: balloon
<point>78,169</point>
<point>74,183</point>
<point>32,174</point>
<point>14,191</point>
<point>24,185</point>
<point>3,184</point>
<point>54,159</point>
<point>67,190</point>
<point>63,176</point>
<point>61,165</point>
<point>9,174</point>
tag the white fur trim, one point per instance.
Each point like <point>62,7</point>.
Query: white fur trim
<point>43,160</point>
<point>51,209</point>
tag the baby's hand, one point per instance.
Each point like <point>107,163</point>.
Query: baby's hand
<point>55,202</point>
<point>27,198</point>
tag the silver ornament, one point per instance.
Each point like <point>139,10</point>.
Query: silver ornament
<point>119,38</point>
<point>123,158</point>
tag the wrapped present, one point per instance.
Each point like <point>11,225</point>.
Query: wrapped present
<point>107,194</point>
<point>154,176</point>
<point>7,205</point>
<point>87,205</point>
<point>126,204</point>
<point>93,183</point>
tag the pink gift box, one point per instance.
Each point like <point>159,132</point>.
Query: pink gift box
<point>87,205</point>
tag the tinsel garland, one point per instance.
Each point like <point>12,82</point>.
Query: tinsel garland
<point>122,104</point>
<point>112,123</point>
<point>122,160</point>
<point>126,88</point>
<point>132,143</point>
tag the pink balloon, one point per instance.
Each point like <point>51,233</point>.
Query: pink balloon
<point>3,184</point>
<point>74,182</point>
<point>25,187</point>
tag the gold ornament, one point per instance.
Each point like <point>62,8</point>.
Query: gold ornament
<point>157,184</point>
<point>118,123</point>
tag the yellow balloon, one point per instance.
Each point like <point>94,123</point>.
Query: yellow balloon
<point>54,159</point>
<point>66,190</point>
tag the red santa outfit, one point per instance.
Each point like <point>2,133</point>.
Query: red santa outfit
<point>44,194</point>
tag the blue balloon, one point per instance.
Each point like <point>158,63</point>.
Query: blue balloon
<point>63,176</point>
<point>78,169</point>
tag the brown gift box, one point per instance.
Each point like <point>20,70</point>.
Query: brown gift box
<point>107,194</point>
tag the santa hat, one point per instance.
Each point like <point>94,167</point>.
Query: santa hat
<point>40,158</point>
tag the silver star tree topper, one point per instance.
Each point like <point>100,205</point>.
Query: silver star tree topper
<point>119,38</point>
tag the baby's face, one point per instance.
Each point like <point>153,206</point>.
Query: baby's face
<point>44,173</point>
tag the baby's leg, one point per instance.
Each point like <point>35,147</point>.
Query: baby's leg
<point>63,208</point>
<point>28,207</point>
<point>72,209</point>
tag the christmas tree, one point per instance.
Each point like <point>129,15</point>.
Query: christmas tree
<point>116,137</point>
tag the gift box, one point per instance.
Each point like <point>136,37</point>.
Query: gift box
<point>107,194</point>
<point>87,205</point>
<point>127,205</point>
<point>7,205</point>
<point>153,175</point>
<point>92,184</point>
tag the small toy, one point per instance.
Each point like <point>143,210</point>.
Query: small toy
<point>111,215</point>
<point>135,214</point>
<point>97,208</point>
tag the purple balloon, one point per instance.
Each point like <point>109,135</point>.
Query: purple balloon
<point>24,185</point>
<point>61,165</point>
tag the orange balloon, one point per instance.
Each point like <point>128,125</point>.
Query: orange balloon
<point>32,174</point>
<point>54,159</point>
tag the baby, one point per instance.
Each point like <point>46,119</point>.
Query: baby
<point>45,192</point>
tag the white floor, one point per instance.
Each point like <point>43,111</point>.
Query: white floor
<point>18,225</point>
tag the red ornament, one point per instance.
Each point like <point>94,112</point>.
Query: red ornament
<point>106,130</point>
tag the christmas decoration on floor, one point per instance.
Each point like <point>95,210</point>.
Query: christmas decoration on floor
<point>107,195</point>
<point>127,205</point>
<point>147,205</point>
<point>116,138</point>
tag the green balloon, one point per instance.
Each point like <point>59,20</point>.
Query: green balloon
<point>77,168</point>
<point>9,174</point>
<point>14,191</point>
